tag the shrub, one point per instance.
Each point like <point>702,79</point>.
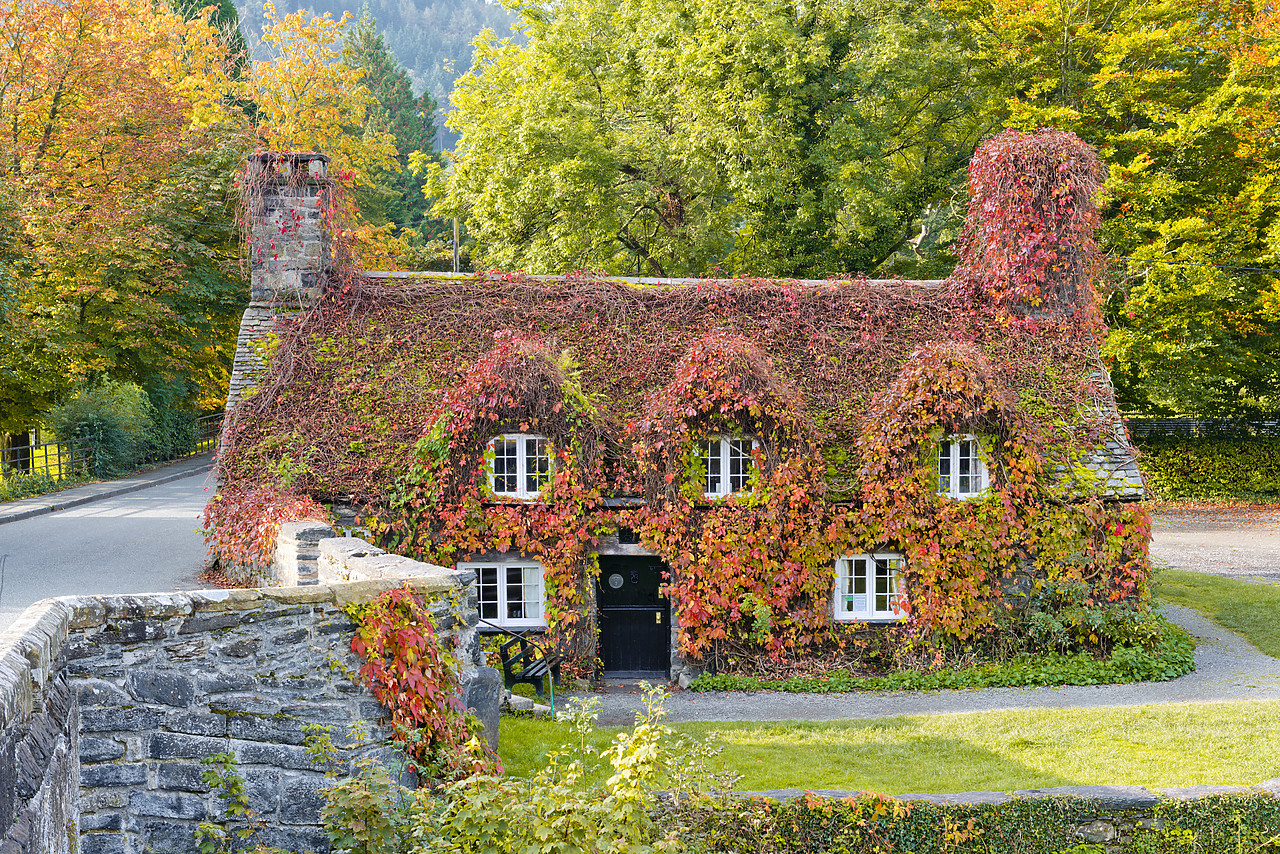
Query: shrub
<point>113,418</point>
<point>1171,654</point>
<point>553,810</point>
<point>241,526</point>
<point>1212,467</point>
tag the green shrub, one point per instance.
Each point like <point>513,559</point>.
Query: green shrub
<point>1171,654</point>
<point>1212,467</point>
<point>113,418</point>
<point>873,824</point>
<point>124,426</point>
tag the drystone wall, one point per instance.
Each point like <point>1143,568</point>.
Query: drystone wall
<point>110,705</point>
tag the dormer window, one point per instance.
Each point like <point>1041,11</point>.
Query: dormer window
<point>521,465</point>
<point>961,470</point>
<point>728,464</point>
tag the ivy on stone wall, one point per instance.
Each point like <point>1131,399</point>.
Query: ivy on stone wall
<point>388,395</point>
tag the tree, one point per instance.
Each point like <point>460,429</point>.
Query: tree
<point>410,120</point>
<point>671,137</point>
<point>104,106</point>
<point>307,99</point>
<point>1181,99</point>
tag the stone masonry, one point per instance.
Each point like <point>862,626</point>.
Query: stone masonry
<point>288,252</point>
<point>111,702</point>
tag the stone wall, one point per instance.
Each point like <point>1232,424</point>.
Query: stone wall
<point>111,703</point>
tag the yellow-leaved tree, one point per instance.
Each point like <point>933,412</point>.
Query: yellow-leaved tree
<point>308,99</point>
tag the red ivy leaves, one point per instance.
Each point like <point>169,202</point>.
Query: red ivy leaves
<point>241,523</point>
<point>1027,248</point>
<point>408,672</point>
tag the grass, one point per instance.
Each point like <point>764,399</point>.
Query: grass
<point>1247,608</point>
<point>1163,746</point>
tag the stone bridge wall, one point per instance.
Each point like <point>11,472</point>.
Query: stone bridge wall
<point>110,703</point>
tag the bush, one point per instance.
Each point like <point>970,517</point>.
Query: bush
<point>873,824</point>
<point>124,427</point>
<point>554,810</point>
<point>1212,467</point>
<point>1171,655</point>
<point>112,418</point>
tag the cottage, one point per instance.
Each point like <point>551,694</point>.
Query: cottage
<point>666,475</point>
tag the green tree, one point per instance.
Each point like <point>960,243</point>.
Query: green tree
<point>671,137</point>
<point>1176,95</point>
<point>396,196</point>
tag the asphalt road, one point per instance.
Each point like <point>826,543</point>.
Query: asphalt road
<point>143,542</point>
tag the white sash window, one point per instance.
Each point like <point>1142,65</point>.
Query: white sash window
<point>728,464</point>
<point>962,471</point>
<point>868,587</point>
<point>521,465</point>
<point>510,593</point>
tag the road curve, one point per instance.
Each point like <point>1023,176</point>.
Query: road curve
<point>146,541</point>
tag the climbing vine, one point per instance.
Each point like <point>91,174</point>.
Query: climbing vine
<point>408,670</point>
<point>444,508</point>
<point>387,396</point>
<point>242,521</point>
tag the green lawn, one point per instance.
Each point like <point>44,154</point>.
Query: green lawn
<point>1155,746</point>
<point>1248,608</point>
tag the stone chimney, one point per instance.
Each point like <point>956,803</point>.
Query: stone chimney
<point>288,251</point>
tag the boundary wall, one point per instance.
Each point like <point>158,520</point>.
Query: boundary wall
<point>108,704</point>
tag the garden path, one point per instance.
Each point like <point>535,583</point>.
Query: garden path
<point>1227,668</point>
<point>1236,540</point>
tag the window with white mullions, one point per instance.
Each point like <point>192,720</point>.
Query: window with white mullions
<point>962,473</point>
<point>728,464</point>
<point>510,593</point>
<point>868,587</point>
<point>521,465</point>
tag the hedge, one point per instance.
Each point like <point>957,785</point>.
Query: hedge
<point>870,824</point>
<point>1212,467</point>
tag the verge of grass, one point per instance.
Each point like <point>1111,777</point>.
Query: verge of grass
<point>1247,608</point>
<point>1165,746</point>
<point>15,486</point>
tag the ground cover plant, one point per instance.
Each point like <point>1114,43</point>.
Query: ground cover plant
<point>1161,746</point>
<point>1169,653</point>
<point>1251,609</point>
<point>847,388</point>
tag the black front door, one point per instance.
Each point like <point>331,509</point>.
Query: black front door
<point>635,619</point>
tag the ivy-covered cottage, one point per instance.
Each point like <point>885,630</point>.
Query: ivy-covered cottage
<point>667,475</point>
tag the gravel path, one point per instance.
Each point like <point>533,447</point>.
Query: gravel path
<point>1236,540</point>
<point>1227,668</point>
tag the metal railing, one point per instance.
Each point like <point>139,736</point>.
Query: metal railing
<point>56,460</point>
<point>209,429</point>
<point>1200,428</point>
<point>60,460</point>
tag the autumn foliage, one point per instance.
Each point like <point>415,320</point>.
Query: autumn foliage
<point>846,387</point>
<point>411,673</point>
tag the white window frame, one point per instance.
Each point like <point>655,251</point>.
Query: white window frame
<point>961,467</point>
<point>494,588</point>
<point>881,576</point>
<point>524,461</point>
<point>721,452</point>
